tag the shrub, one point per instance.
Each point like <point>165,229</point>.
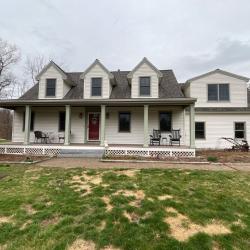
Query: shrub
<point>212,158</point>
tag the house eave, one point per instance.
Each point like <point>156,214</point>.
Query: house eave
<point>109,102</point>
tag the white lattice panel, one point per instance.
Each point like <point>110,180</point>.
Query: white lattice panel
<point>151,152</point>
<point>34,151</point>
<point>16,150</point>
<point>2,150</point>
<point>52,151</point>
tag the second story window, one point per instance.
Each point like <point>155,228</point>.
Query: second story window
<point>96,86</point>
<point>218,92</point>
<point>51,87</point>
<point>144,86</point>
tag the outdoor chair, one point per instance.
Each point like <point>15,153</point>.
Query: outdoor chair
<point>155,137</point>
<point>175,137</point>
<point>39,135</point>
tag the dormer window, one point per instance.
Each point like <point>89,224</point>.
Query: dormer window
<point>50,87</point>
<point>218,92</point>
<point>145,86</point>
<point>96,86</point>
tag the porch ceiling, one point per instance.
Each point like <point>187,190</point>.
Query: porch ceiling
<point>109,102</point>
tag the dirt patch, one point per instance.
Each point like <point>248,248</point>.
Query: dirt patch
<point>225,156</point>
<point>3,247</point>
<point>132,217</point>
<point>51,221</point>
<point>21,158</point>
<point>106,200</point>
<point>182,228</point>
<point>34,169</point>
<point>165,197</point>
<point>138,194</point>
<point>83,182</point>
<point>128,172</point>
<point>88,245</point>
<point>102,225</point>
<point>4,219</point>
<point>29,209</point>
<point>82,245</point>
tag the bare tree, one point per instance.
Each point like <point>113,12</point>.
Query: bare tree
<point>9,56</point>
<point>34,65</point>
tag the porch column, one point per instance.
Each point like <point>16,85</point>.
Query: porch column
<point>191,126</point>
<point>67,124</point>
<point>146,137</point>
<point>27,124</point>
<point>103,118</point>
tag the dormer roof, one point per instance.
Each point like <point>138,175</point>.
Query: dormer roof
<point>97,62</point>
<point>146,61</point>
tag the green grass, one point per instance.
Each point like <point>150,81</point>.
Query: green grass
<point>56,214</point>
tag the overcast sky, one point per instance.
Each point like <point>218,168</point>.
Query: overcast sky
<point>188,36</point>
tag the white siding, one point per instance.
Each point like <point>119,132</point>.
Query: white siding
<point>145,70</point>
<point>47,120</point>
<point>238,91</point>
<point>217,126</point>
<point>61,87</point>
<point>97,71</point>
<point>136,136</point>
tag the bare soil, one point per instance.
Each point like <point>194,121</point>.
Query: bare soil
<point>21,158</point>
<point>225,156</point>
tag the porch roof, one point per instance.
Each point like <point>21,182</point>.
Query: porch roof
<point>109,102</point>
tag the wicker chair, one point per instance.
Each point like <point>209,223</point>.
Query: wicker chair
<point>39,135</point>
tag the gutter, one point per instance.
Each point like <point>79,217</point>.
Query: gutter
<point>89,102</point>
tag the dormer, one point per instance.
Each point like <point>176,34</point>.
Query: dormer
<point>53,82</point>
<point>144,79</point>
<point>218,88</point>
<point>97,81</point>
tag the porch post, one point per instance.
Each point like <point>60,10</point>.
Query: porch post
<point>67,124</point>
<point>27,124</point>
<point>103,118</point>
<point>146,137</point>
<point>191,126</point>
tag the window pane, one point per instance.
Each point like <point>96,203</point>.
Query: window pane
<point>145,86</point>
<point>96,86</point>
<point>51,87</point>
<point>239,126</point>
<point>200,130</point>
<point>62,121</point>
<point>240,134</point>
<point>165,121</point>
<point>124,122</point>
<point>224,92</point>
<point>212,92</point>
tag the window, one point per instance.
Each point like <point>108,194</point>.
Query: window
<point>96,87</point>
<point>199,130</point>
<point>218,92</point>
<point>239,130</point>
<point>61,121</point>
<point>145,86</point>
<point>165,121</point>
<point>124,121</point>
<point>32,119</point>
<point>51,87</point>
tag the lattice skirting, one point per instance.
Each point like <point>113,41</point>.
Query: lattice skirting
<point>150,152</point>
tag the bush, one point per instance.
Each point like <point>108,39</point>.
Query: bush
<point>212,158</point>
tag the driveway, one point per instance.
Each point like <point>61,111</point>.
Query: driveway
<point>96,163</point>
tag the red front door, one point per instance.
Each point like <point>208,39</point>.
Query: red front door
<point>94,126</point>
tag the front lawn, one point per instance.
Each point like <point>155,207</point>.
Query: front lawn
<point>44,208</point>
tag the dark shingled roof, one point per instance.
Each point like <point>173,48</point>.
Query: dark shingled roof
<point>168,87</point>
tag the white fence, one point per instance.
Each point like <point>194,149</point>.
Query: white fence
<point>150,152</point>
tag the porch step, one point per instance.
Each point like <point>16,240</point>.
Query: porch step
<point>81,153</point>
